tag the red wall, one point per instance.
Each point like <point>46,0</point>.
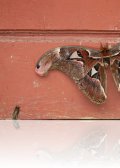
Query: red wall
<point>54,96</point>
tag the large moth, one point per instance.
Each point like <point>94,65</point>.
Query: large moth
<point>86,66</point>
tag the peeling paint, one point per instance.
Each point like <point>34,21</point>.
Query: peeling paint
<point>36,84</point>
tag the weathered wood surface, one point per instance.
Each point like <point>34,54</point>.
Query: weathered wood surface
<point>64,14</point>
<point>54,96</point>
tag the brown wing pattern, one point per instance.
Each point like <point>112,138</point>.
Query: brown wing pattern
<point>86,66</point>
<point>92,84</point>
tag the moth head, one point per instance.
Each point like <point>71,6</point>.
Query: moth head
<point>47,61</point>
<point>52,59</point>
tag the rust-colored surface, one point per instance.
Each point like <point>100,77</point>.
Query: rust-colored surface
<point>64,14</point>
<point>54,96</point>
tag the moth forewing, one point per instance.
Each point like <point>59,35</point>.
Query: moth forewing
<point>103,77</point>
<point>96,84</point>
<point>95,54</point>
<point>115,68</point>
<point>115,50</point>
<point>86,66</point>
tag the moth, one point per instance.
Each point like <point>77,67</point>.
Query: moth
<point>85,66</point>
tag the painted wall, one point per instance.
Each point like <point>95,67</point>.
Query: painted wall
<point>54,96</point>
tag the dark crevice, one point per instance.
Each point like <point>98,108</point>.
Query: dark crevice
<point>15,113</point>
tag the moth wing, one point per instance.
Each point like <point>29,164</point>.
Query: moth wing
<point>115,50</point>
<point>84,59</point>
<point>94,85</point>
<point>115,64</point>
<point>88,57</point>
<point>115,68</point>
<point>93,79</point>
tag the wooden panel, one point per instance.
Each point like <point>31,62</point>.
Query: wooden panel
<point>53,96</point>
<point>64,14</point>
